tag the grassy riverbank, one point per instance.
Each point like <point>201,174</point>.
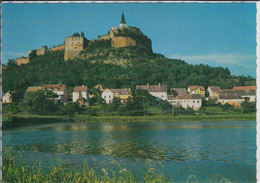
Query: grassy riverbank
<point>163,118</point>
<point>17,120</point>
<point>19,171</point>
<point>14,171</point>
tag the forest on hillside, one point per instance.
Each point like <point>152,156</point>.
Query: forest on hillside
<point>51,68</point>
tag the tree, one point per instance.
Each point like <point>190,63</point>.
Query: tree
<point>76,34</point>
<point>116,103</point>
<point>248,107</point>
<point>40,102</point>
<point>70,109</point>
<point>82,34</point>
<point>165,106</point>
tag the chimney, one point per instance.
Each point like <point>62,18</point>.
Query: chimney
<point>147,85</point>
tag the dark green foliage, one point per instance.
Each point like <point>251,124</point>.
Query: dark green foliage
<point>82,34</point>
<point>51,68</point>
<point>248,107</point>
<point>70,109</point>
<point>135,33</point>
<point>33,55</point>
<point>76,34</point>
<point>138,104</point>
<point>39,102</point>
<point>165,106</point>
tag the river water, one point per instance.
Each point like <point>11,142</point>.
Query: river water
<point>208,150</point>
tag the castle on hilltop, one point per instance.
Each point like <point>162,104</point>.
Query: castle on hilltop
<point>74,45</point>
<point>122,36</point>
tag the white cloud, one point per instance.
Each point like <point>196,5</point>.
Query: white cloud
<point>235,59</point>
<point>14,54</point>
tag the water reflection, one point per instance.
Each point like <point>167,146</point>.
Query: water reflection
<point>199,141</point>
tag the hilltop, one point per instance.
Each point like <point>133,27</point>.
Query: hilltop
<point>51,68</point>
<point>121,58</point>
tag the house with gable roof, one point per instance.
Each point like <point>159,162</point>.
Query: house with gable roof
<point>109,94</point>
<point>159,91</point>
<point>193,101</point>
<point>80,95</point>
<point>196,90</point>
<point>214,91</point>
<point>59,89</point>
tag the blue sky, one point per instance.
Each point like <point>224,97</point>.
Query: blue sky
<point>217,34</point>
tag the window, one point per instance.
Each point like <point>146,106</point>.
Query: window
<point>109,96</point>
<point>162,96</point>
<point>193,101</point>
<point>174,101</point>
<point>198,101</point>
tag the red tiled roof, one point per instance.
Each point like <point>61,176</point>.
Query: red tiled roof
<point>80,89</point>
<point>152,88</point>
<point>230,96</point>
<point>100,87</point>
<point>187,96</point>
<point>180,91</point>
<point>121,91</point>
<point>192,88</point>
<point>81,99</point>
<point>244,88</point>
<point>59,87</point>
<point>191,96</point>
<point>33,88</point>
<point>215,88</point>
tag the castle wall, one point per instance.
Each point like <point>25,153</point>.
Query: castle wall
<point>73,46</point>
<point>20,61</point>
<point>41,51</point>
<point>57,48</point>
<point>120,41</point>
<point>105,37</point>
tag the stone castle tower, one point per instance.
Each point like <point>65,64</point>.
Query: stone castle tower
<point>73,46</point>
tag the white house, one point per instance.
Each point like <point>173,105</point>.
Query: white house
<point>248,95</point>
<point>80,91</point>
<point>193,101</point>
<point>159,91</point>
<point>232,99</point>
<point>109,94</point>
<point>7,98</point>
<point>59,89</point>
<point>214,91</point>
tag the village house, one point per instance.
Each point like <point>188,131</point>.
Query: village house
<point>193,101</point>
<point>214,91</point>
<point>244,88</point>
<point>7,98</point>
<point>180,91</point>
<point>196,90</point>
<point>59,89</point>
<point>159,91</point>
<point>232,99</point>
<point>109,94</point>
<point>80,95</point>
<point>33,88</point>
<point>248,95</point>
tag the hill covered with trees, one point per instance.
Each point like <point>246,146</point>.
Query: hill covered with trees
<point>144,68</point>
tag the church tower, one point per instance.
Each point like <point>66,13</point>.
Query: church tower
<point>123,22</point>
